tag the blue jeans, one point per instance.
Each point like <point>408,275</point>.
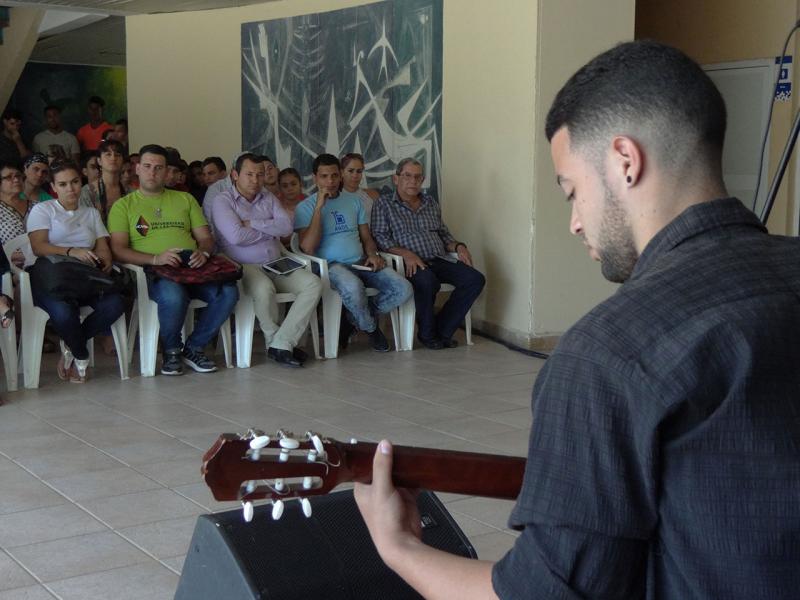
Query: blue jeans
<point>352,283</point>
<point>468,283</point>
<point>173,300</point>
<point>66,319</point>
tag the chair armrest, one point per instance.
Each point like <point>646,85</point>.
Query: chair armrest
<point>141,280</point>
<point>395,260</point>
<point>308,259</point>
<point>8,285</point>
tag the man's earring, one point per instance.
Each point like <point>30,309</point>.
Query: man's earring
<point>629,179</point>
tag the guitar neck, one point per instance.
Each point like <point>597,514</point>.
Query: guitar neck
<point>469,473</point>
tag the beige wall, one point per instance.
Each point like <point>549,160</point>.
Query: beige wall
<point>19,38</point>
<point>184,89</point>
<point>566,282</point>
<point>715,31</point>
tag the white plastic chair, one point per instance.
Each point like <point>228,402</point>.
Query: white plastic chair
<point>8,341</point>
<point>332,303</point>
<point>34,320</point>
<point>408,310</point>
<point>245,318</point>
<point>144,320</point>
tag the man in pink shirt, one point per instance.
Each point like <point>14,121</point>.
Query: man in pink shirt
<point>248,223</point>
<point>90,135</point>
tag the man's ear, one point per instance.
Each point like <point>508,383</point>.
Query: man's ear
<point>395,180</point>
<point>234,175</point>
<point>626,161</point>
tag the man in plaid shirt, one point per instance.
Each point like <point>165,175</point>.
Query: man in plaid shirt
<point>409,223</point>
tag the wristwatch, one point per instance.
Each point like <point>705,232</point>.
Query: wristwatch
<point>207,254</point>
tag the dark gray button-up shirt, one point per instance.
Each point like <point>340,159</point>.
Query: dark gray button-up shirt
<point>421,231</point>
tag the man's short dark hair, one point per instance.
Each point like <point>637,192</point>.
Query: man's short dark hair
<point>12,113</point>
<point>153,149</point>
<point>647,90</point>
<point>324,160</point>
<point>255,158</point>
<point>54,107</point>
<point>122,122</point>
<point>215,160</point>
<point>96,100</point>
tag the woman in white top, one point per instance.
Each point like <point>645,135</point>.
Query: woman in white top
<point>63,227</point>
<point>352,173</point>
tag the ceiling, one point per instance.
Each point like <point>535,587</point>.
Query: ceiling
<point>92,32</point>
<point>125,8</point>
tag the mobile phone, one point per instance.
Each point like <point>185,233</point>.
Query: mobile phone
<point>185,256</point>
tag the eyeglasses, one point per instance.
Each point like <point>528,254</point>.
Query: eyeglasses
<point>412,177</point>
<point>12,177</point>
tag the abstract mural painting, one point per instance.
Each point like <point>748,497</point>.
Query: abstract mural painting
<point>366,79</point>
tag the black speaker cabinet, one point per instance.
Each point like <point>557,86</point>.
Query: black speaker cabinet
<point>328,556</point>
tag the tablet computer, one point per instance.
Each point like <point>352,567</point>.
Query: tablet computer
<point>282,266</point>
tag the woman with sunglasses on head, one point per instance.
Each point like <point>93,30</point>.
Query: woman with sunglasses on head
<point>67,228</point>
<point>352,174</point>
<point>108,188</point>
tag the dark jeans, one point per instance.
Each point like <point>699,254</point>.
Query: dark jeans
<point>173,300</point>
<point>66,319</point>
<point>468,283</point>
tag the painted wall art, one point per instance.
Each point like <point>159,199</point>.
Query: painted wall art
<point>366,79</point>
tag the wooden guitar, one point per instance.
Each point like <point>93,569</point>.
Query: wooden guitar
<point>256,466</point>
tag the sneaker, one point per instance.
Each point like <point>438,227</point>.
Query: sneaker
<point>198,360</point>
<point>172,363</point>
<point>378,341</point>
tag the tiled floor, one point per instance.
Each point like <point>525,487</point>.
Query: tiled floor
<point>100,484</point>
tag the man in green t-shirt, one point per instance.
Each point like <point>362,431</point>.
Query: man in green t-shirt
<point>150,227</point>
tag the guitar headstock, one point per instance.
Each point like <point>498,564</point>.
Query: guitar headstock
<point>278,467</point>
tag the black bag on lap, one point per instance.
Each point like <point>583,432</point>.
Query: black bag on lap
<point>67,278</point>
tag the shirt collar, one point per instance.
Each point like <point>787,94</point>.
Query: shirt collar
<point>424,199</point>
<point>693,221</point>
<point>237,196</point>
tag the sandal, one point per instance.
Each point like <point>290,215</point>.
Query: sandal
<point>65,361</point>
<point>79,371</point>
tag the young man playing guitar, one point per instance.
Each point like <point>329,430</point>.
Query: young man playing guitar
<point>663,458</point>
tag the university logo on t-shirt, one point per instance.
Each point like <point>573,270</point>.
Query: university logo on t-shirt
<point>142,226</point>
<point>339,220</point>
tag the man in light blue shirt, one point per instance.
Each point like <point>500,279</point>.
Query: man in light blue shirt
<point>332,224</point>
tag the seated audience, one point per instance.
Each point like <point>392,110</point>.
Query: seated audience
<point>108,187</point>
<point>332,224</point>
<point>126,174</point>
<point>121,132</point>
<point>195,181</point>
<point>248,223</point>
<point>12,148</point>
<point>14,207</point>
<point>90,135</point>
<point>90,167</point>
<point>37,177</point>
<point>271,177</point>
<point>213,170</point>
<point>291,184</point>
<point>54,142</point>
<point>352,174</point>
<point>134,160</point>
<point>66,228</point>
<point>409,223</point>
<point>147,226</point>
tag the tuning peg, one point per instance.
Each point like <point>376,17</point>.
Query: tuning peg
<point>247,508</point>
<point>289,443</point>
<point>306,507</point>
<point>353,441</point>
<point>277,509</point>
<point>317,444</point>
<point>257,443</point>
<point>279,485</point>
<point>307,483</point>
<point>250,487</point>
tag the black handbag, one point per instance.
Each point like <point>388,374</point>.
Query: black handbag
<point>67,278</point>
